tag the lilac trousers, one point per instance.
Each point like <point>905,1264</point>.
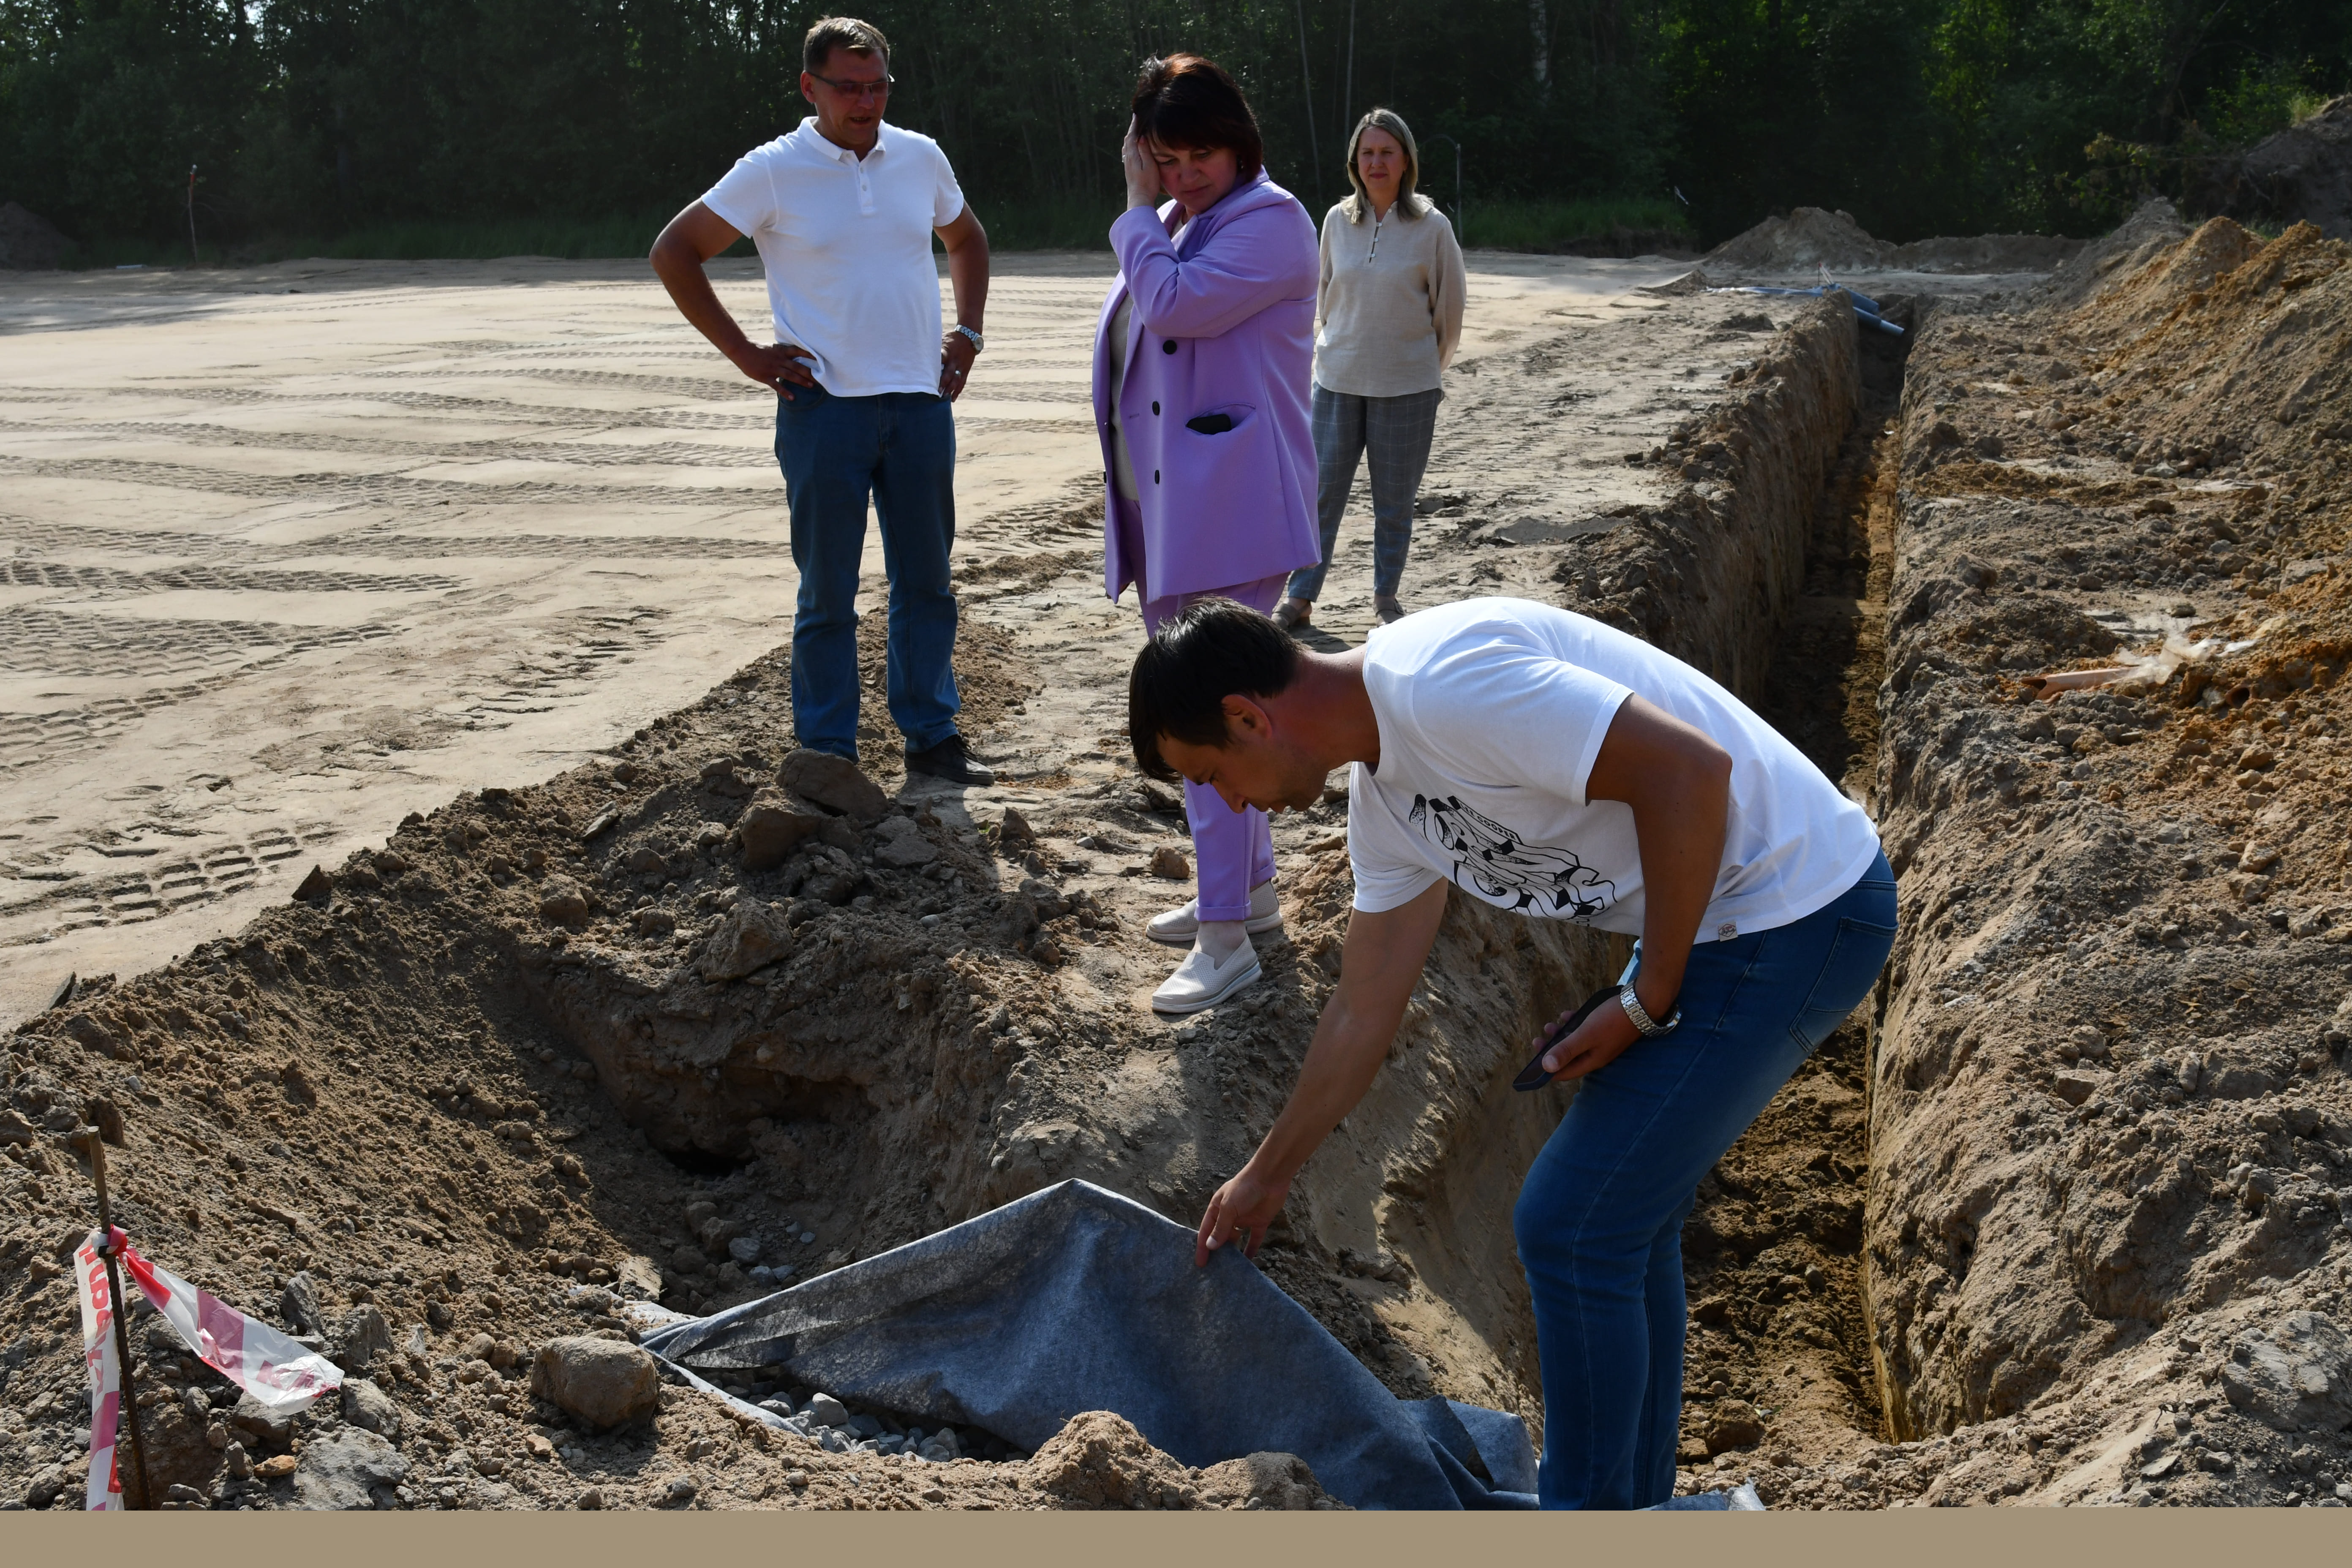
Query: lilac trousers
<point>1232,851</point>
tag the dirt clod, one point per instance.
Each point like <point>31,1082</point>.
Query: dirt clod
<point>605,1383</point>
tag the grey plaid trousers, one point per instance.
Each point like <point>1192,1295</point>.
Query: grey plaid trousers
<point>1394,432</point>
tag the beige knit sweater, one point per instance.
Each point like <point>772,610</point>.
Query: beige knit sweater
<point>1388,315</point>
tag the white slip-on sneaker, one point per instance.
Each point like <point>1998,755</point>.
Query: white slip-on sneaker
<point>1201,982</point>
<point>1180,927</point>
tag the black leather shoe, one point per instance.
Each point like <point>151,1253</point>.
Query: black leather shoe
<point>950,761</point>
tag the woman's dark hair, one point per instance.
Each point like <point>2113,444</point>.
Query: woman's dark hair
<point>1184,101</point>
<point>1181,679</point>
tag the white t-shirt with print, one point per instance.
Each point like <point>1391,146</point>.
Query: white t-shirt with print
<point>847,244</point>
<point>1491,714</point>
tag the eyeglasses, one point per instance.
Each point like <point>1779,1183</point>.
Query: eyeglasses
<point>858,90</point>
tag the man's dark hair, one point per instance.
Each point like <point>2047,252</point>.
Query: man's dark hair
<point>831,32</point>
<point>1186,102</point>
<point>1181,679</point>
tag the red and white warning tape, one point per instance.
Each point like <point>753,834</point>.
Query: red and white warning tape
<point>282,1376</point>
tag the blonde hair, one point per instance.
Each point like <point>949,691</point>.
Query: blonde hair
<point>1411,203</point>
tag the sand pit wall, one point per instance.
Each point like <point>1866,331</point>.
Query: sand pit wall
<point>1712,574</point>
<point>2110,1107</point>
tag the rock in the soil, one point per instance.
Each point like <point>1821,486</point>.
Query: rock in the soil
<point>349,1469</point>
<point>2237,1081</point>
<point>1015,830</point>
<point>47,1484</point>
<point>744,1249</point>
<point>298,1305</point>
<point>315,886</point>
<point>752,936</point>
<point>263,1426</point>
<point>2297,1378</point>
<point>562,903</point>
<point>835,783</point>
<point>605,1383</point>
<point>903,845</point>
<point>363,1336</point>
<point>637,1277</point>
<point>772,827</point>
<point>827,1411</point>
<point>367,1406</point>
<point>104,1115</point>
<point>2075,1085</point>
<point>590,1499</point>
<point>1733,1424</point>
<point>1169,862</point>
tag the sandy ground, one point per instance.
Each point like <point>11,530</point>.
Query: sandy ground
<point>292,551</point>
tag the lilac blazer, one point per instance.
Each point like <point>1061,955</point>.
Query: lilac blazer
<point>1223,324</point>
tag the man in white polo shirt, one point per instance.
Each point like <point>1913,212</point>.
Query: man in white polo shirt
<point>843,210</point>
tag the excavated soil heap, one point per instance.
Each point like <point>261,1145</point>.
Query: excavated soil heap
<point>1812,237</point>
<point>2304,174</point>
<point>2110,1109</point>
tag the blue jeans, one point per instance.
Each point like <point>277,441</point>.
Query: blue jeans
<point>1600,1218</point>
<point>899,447</point>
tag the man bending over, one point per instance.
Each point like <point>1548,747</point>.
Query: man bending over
<point>1548,764</point>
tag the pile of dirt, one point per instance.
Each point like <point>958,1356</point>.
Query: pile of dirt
<point>1810,238</point>
<point>1807,238</point>
<point>1984,253</point>
<point>2111,1115</point>
<point>2153,227</point>
<point>29,242</point>
<point>2303,174</point>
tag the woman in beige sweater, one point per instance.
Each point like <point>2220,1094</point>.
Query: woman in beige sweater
<point>1388,315</point>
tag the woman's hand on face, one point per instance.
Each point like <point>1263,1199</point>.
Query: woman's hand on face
<point>1142,171</point>
<point>1598,1041</point>
<point>1241,1211</point>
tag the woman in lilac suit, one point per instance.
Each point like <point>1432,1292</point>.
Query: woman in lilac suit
<point>1203,362</point>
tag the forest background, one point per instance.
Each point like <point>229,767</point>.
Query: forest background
<point>396,128</point>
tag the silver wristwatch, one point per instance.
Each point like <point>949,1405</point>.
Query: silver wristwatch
<point>1650,1028</point>
<point>978,343</point>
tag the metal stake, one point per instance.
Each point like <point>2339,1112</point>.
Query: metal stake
<point>194,258</point>
<point>97,1146</point>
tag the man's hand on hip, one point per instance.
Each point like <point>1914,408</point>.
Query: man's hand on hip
<point>774,366</point>
<point>956,357</point>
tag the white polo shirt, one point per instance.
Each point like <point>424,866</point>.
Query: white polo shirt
<point>1492,713</point>
<point>846,244</point>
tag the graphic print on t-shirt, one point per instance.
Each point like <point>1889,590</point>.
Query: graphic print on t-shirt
<point>1493,860</point>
